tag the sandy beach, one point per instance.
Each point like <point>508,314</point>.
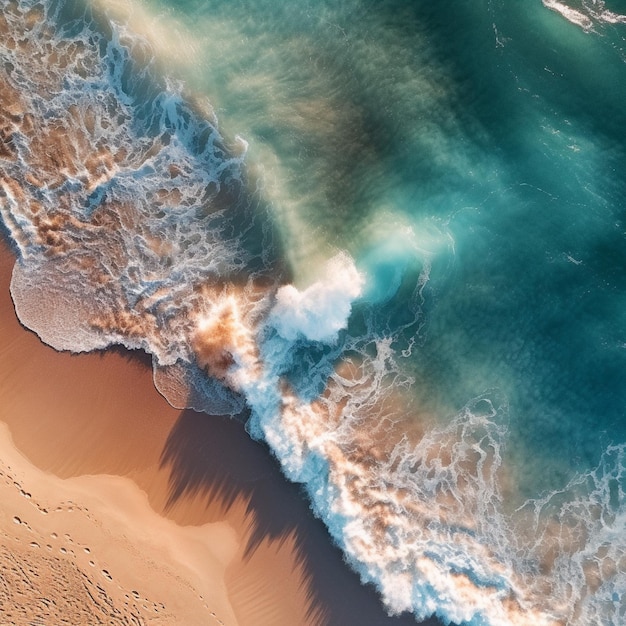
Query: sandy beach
<point>117,507</point>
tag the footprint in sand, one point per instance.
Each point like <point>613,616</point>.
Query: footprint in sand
<point>21,522</point>
<point>34,544</point>
<point>107,575</point>
<point>87,550</point>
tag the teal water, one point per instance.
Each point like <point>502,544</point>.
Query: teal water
<point>467,164</point>
<point>485,142</point>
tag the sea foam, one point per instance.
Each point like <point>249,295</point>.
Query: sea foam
<point>588,15</point>
<point>320,311</point>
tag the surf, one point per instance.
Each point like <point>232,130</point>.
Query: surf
<point>138,222</point>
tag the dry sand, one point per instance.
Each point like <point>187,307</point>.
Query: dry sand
<point>116,508</point>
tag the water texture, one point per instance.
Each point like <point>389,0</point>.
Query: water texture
<point>390,234</point>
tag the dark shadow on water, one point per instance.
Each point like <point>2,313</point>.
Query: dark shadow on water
<point>137,357</point>
<point>213,457</point>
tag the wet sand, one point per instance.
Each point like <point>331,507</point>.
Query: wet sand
<point>152,515</point>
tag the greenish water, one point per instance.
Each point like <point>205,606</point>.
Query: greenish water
<point>483,140</point>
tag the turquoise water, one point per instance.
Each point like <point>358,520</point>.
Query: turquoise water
<point>394,231</point>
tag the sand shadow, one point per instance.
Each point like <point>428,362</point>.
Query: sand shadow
<point>139,356</point>
<point>213,457</point>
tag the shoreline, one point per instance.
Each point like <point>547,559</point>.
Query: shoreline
<point>93,426</point>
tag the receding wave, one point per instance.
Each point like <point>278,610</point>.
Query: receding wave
<point>136,223</point>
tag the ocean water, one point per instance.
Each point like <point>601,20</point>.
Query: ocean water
<point>392,233</point>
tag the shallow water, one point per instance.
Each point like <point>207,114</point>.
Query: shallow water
<point>391,231</point>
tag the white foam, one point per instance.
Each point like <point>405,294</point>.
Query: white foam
<point>590,14</point>
<point>320,311</point>
<point>128,210</point>
<point>571,15</point>
<point>422,518</point>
